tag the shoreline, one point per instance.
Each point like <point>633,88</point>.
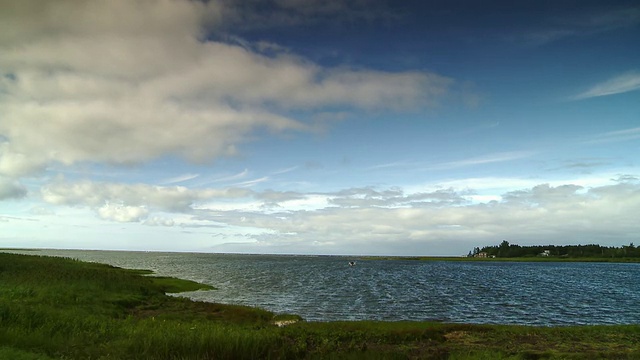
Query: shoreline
<point>56,307</point>
<point>515,259</point>
<point>375,257</point>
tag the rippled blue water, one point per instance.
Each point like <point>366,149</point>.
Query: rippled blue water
<point>321,288</point>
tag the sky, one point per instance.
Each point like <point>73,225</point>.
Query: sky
<point>361,127</point>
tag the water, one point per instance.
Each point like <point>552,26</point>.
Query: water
<point>321,288</point>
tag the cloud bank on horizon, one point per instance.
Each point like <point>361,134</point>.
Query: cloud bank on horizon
<point>317,127</point>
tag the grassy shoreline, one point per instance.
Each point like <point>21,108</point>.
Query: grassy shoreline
<point>510,259</point>
<point>60,308</point>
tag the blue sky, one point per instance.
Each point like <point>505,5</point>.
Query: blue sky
<point>318,127</point>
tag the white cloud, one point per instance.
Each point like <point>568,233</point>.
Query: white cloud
<point>122,213</point>
<point>617,85</point>
<point>487,159</point>
<point>129,81</point>
<point>179,179</point>
<point>11,189</point>
<point>395,197</point>
<point>270,196</point>
<point>541,195</point>
<point>233,177</point>
<point>616,136</point>
<point>393,220</point>
<point>253,182</point>
<point>16,164</point>
<point>496,186</point>
<point>129,202</point>
<point>558,214</point>
<point>583,22</point>
<point>41,211</point>
<point>594,208</point>
<point>159,221</point>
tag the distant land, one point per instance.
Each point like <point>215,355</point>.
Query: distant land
<point>513,252</point>
<point>590,251</point>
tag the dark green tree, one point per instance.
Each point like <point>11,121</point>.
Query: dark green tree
<point>503,249</point>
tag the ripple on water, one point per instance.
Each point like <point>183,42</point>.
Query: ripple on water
<point>327,288</point>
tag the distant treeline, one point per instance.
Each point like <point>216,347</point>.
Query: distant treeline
<point>506,250</point>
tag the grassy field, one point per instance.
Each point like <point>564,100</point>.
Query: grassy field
<point>58,308</point>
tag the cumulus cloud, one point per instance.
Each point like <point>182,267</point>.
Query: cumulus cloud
<point>159,221</point>
<point>122,213</point>
<point>391,219</point>
<point>273,198</point>
<point>543,195</point>
<point>16,164</point>
<point>41,211</point>
<point>131,202</point>
<point>11,189</point>
<point>542,214</point>
<point>369,197</point>
<point>129,81</point>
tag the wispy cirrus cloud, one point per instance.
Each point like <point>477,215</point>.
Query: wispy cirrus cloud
<point>617,85</point>
<point>616,136</point>
<point>253,182</point>
<point>252,14</point>
<point>592,20</point>
<point>392,165</point>
<point>478,160</point>
<point>487,159</point>
<point>179,179</point>
<point>233,177</point>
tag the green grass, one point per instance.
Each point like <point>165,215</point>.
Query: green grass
<point>57,308</point>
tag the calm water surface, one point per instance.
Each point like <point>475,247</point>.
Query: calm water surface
<point>322,288</point>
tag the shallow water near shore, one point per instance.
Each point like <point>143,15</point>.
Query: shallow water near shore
<point>326,288</point>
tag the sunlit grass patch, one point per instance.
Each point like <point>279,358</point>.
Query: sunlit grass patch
<point>173,285</point>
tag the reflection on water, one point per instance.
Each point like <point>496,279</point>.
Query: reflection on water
<point>322,288</point>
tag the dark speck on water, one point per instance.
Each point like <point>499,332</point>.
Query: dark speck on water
<point>322,288</point>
